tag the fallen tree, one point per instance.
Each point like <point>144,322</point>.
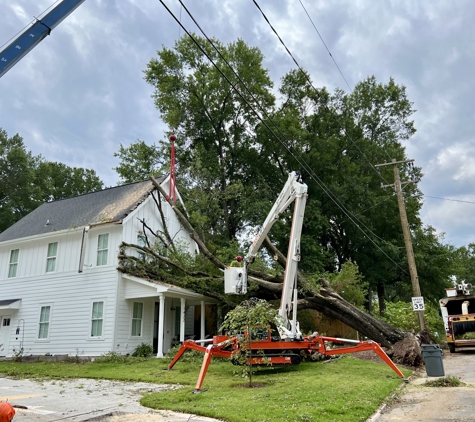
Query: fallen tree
<point>403,346</point>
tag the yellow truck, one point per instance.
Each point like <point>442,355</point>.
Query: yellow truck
<point>458,313</point>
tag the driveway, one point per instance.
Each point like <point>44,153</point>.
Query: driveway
<point>85,400</point>
<point>420,403</point>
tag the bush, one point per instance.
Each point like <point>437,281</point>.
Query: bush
<point>111,357</point>
<point>143,350</point>
<point>190,356</point>
<point>402,316</point>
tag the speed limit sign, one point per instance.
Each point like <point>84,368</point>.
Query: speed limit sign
<point>418,303</point>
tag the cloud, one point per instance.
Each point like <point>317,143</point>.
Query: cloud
<point>81,93</point>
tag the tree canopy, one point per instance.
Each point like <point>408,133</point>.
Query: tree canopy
<point>26,180</point>
<point>231,162</point>
<point>234,152</point>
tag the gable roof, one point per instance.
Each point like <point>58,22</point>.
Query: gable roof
<point>108,205</point>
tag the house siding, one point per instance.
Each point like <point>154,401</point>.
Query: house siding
<point>70,296</point>
<point>126,343</point>
<point>70,290</point>
<point>148,212</point>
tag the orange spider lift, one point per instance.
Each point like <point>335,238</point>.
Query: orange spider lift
<point>289,347</point>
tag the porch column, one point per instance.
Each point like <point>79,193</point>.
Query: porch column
<point>182,319</point>
<point>161,324</point>
<point>202,334</point>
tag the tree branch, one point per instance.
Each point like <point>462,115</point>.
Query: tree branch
<point>184,221</point>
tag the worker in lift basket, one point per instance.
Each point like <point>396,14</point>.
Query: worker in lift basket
<point>6,412</point>
<point>237,262</point>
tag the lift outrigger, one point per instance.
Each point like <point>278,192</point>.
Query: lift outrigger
<point>290,346</point>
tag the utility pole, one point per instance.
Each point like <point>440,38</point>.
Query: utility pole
<point>406,232</point>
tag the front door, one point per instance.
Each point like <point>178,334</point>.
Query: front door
<point>4,334</point>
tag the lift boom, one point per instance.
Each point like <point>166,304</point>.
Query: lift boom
<point>293,191</point>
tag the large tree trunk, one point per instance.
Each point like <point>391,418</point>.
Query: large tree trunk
<point>331,304</point>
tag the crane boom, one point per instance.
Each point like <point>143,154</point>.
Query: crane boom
<point>33,35</point>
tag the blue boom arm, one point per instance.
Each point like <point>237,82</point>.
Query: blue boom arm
<point>33,35</point>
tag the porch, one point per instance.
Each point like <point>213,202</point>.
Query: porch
<point>170,314</point>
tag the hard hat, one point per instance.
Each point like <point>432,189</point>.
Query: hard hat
<point>6,412</point>
<point>239,258</point>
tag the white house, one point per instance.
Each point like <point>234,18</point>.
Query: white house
<point>60,291</point>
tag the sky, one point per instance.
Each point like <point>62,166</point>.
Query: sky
<point>80,93</point>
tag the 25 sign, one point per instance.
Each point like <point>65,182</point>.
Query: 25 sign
<point>418,303</point>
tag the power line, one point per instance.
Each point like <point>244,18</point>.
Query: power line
<point>446,199</point>
<point>304,165</point>
<point>331,55</point>
<point>307,78</point>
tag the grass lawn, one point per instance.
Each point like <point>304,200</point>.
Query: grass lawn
<point>346,389</point>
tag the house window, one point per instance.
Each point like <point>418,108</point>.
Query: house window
<point>141,242</point>
<point>51,258</point>
<point>14,254</point>
<point>43,331</point>
<point>97,319</point>
<point>102,249</point>
<point>6,322</point>
<point>137,319</point>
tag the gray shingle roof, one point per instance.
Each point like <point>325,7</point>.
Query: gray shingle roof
<point>108,205</point>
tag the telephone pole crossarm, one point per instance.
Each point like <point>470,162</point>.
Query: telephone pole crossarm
<point>394,162</point>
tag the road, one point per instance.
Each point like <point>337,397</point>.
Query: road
<point>421,403</point>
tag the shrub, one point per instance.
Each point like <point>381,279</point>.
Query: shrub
<point>190,356</point>
<point>401,315</point>
<point>143,350</point>
<point>111,357</point>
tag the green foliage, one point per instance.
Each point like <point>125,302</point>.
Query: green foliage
<point>447,381</point>
<point>465,264</point>
<point>349,284</point>
<point>247,321</point>
<point>250,313</point>
<point>18,194</point>
<point>18,354</point>
<point>76,358</point>
<point>190,356</point>
<point>402,316</point>
<point>138,161</point>
<point>214,125</point>
<point>26,181</point>
<point>143,350</point>
<point>111,357</point>
<point>58,181</point>
<point>436,263</point>
<point>231,167</point>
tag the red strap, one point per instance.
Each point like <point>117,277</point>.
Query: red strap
<point>172,182</point>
